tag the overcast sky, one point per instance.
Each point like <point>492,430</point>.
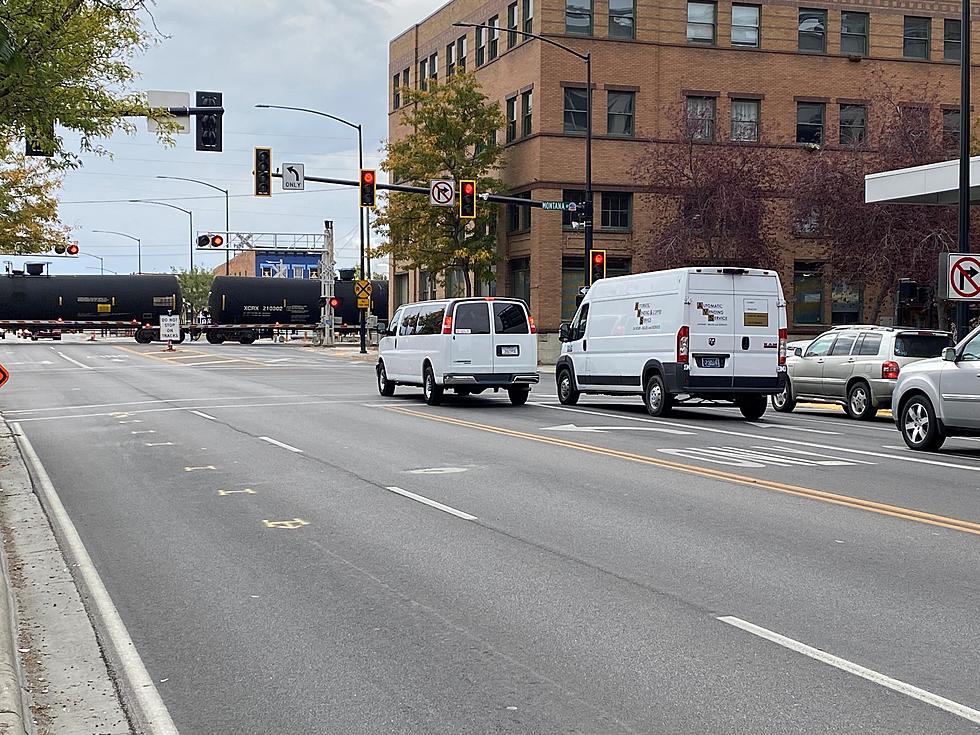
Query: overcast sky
<point>330,55</point>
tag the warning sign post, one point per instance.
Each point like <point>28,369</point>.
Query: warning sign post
<point>963,277</point>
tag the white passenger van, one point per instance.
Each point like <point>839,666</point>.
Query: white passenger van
<point>467,345</point>
<point>685,334</point>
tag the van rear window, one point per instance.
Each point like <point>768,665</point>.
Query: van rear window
<point>472,318</point>
<point>921,345</point>
<point>510,318</point>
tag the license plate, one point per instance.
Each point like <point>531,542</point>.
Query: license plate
<point>510,351</point>
<point>711,362</point>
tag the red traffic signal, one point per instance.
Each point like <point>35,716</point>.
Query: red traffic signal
<point>597,265</point>
<point>467,200</point>
<point>217,241</point>
<point>334,302</point>
<point>598,258</point>
<point>369,195</point>
<point>73,249</point>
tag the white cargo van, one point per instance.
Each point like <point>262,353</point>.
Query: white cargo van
<point>690,333</point>
<point>467,345</point>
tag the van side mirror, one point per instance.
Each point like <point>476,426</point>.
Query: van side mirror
<point>565,332</point>
<point>949,354</point>
<point>382,328</point>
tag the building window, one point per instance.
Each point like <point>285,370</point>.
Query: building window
<point>809,122</point>
<point>406,81</point>
<point>951,39</point>
<point>808,223</point>
<point>401,289</point>
<point>424,74</point>
<point>808,289</point>
<point>526,110</point>
<point>511,120</point>
<point>572,278</point>
<point>854,33</point>
<point>494,34</point>
<point>813,30</point>
<point>845,303</point>
<point>622,19</point>
<point>745,121</point>
<point>617,210</point>
<point>455,283</point>
<point>450,59</point>
<point>511,25</point>
<point>518,217</point>
<point>620,118</point>
<point>461,54</point>
<point>520,279</point>
<point>434,68</point>
<point>578,17</point>
<point>570,220</point>
<point>576,116</point>
<point>745,25</point>
<point>916,39</point>
<point>427,286</point>
<point>701,118</point>
<point>481,47</point>
<point>528,16</point>
<point>396,91</point>
<point>853,125</point>
<point>951,129</point>
<point>701,22</point>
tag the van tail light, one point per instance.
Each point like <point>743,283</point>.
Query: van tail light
<point>783,337</point>
<point>530,321</point>
<point>683,345</point>
<point>447,324</point>
<point>889,370</point>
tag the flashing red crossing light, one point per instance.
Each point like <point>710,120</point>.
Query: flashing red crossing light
<point>73,249</point>
<point>217,241</point>
<point>334,302</point>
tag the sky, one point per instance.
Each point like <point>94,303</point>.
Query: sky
<point>328,55</point>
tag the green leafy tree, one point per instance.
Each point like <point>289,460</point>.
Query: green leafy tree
<point>196,287</point>
<point>28,204</point>
<point>68,61</point>
<point>454,136</point>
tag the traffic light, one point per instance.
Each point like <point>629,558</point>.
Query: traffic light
<point>60,249</point>
<point>217,241</point>
<point>467,200</point>
<point>369,195</point>
<point>597,265</point>
<point>263,172</point>
<point>214,241</point>
<point>203,241</point>
<point>73,249</point>
<point>209,126</point>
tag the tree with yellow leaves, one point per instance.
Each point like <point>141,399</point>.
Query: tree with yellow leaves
<point>28,204</point>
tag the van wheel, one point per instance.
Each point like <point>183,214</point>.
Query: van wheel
<point>752,407</point>
<point>784,401</point>
<point>518,396</point>
<point>658,401</point>
<point>567,394</point>
<point>859,403</point>
<point>920,428</point>
<point>431,391</point>
<point>385,386</point>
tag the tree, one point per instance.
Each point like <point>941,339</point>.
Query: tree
<point>195,286</point>
<point>68,61</point>
<point>454,136</point>
<point>28,205</point>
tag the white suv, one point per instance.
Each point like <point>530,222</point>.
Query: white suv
<point>940,397</point>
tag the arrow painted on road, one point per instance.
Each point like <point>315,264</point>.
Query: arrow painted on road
<point>606,429</point>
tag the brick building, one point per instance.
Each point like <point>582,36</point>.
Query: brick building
<point>772,74</point>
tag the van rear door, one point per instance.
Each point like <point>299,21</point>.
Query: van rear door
<point>711,319</point>
<point>515,348</point>
<point>757,324</point>
<point>472,343</point>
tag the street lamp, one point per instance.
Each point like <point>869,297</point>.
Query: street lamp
<point>139,246</point>
<point>587,58</point>
<point>963,307</point>
<point>227,226</point>
<point>188,212</point>
<point>361,216</point>
<point>101,270</point>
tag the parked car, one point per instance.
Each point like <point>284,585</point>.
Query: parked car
<point>857,366</point>
<point>796,348</point>
<point>46,333</point>
<point>939,398</point>
<point>466,345</point>
<point>690,333</point>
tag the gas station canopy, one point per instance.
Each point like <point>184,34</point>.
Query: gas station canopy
<point>936,183</point>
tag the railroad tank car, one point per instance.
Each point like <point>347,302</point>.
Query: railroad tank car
<point>264,301</point>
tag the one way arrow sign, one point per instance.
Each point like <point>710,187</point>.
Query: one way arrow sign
<point>293,177</point>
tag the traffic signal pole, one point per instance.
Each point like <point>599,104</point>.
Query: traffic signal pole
<point>963,307</point>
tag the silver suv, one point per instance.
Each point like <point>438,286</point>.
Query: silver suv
<point>940,398</point>
<point>857,366</point>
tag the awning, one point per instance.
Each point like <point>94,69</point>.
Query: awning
<point>937,183</point>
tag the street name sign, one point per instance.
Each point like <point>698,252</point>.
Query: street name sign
<point>293,177</point>
<point>442,193</point>
<point>963,277</point>
<point>559,206</point>
<point>170,328</point>
<point>160,99</point>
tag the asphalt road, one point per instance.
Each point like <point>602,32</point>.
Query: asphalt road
<point>589,570</point>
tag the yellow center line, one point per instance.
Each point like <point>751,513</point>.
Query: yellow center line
<point>895,511</point>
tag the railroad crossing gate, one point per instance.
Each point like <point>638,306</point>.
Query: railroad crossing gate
<point>4,376</point>
<point>963,277</point>
<point>362,290</point>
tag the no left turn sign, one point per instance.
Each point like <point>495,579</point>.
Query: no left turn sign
<point>964,277</point>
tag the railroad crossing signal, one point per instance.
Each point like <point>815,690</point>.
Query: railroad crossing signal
<point>362,290</point>
<point>263,172</point>
<point>369,195</point>
<point>467,199</point>
<point>215,241</point>
<point>597,265</point>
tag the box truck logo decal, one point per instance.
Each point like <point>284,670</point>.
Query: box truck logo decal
<point>712,313</point>
<point>645,316</point>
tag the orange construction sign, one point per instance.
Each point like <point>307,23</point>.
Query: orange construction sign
<point>4,375</point>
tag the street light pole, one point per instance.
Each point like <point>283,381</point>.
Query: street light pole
<point>963,307</point>
<point>189,214</point>
<point>98,258</point>
<point>227,216</point>
<point>139,247</point>
<point>587,58</point>
<point>362,212</point>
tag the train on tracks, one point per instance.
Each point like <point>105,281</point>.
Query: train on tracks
<point>239,309</point>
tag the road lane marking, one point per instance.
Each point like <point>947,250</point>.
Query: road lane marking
<point>75,362</point>
<point>438,471</point>
<point>173,400</point>
<point>894,511</point>
<point>197,469</point>
<point>147,707</point>
<point>607,429</point>
<point>144,431</point>
<point>947,705</point>
<point>246,491</point>
<point>159,444</point>
<point>433,504</point>
<point>792,428</point>
<point>280,444</point>
<point>762,457</point>
<point>288,525</point>
<point>203,415</point>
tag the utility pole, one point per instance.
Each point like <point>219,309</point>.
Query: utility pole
<point>963,307</point>
<point>327,283</point>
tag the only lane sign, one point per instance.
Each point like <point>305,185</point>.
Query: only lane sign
<point>964,277</point>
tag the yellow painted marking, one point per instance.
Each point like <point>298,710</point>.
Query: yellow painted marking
<point>295,523</point>
<point>895,511</point>
<point>246,491</point>
<point>835,408</point>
